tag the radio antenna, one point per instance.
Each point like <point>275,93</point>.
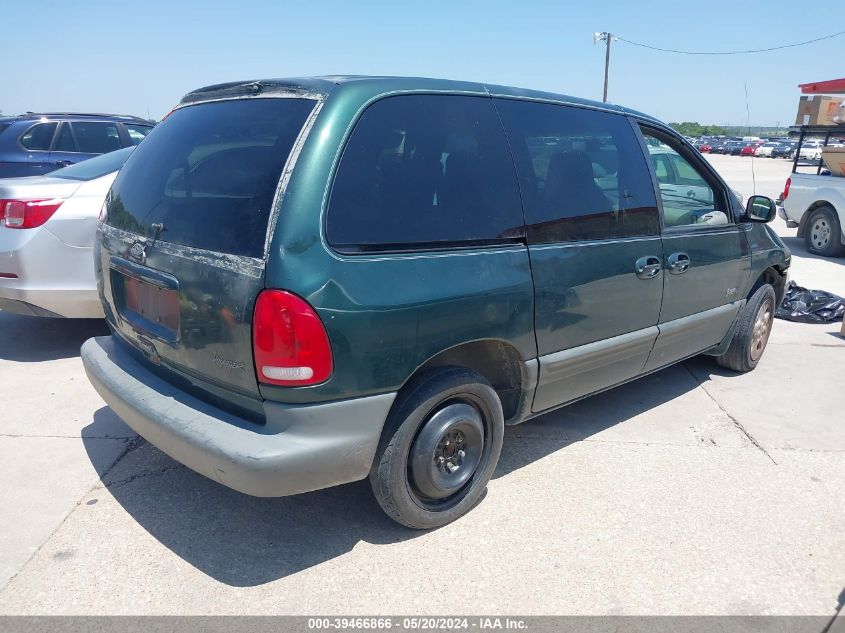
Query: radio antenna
<point>748,126</point>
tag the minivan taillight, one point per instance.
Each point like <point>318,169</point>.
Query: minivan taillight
<point>786,188</point>
<point>27,214</point>
<point>289,342</point>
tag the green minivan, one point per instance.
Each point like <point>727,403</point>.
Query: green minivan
<point>314,281</point>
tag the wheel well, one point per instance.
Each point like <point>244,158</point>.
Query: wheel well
<point>773,276</point>
<point>498,361</point>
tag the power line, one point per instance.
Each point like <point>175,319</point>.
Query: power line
<point>756,50</point>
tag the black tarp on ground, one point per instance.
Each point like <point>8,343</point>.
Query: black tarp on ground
<point>810,306</point>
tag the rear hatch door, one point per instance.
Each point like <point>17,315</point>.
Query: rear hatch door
<point>182,246</point>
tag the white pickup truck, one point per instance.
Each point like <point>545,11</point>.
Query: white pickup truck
<point>816,205</point>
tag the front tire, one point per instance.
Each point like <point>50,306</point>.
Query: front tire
<point>439,448</point>
<point>752,331</point>
<point>823,235</point>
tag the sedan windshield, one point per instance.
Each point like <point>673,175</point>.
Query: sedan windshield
<point>95,167</point>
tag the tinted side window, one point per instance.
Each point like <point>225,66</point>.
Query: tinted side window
<point>38,137</point>
<point>425,170</point>
<point>137,132</point>
<point>582,173</point>
<point>96,137</point>
<point>65,142</point>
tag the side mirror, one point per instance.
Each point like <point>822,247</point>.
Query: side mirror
<point>760,209</point>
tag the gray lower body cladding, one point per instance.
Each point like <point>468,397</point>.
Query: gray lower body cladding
<point>301,447</point>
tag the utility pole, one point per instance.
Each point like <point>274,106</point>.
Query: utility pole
<point>607,38</point>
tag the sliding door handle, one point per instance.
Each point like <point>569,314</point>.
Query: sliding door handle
<point>678,263</point>
<point>647,267</point>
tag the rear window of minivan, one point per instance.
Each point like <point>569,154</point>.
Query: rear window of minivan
<point>209,173</point>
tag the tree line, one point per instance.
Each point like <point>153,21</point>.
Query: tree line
<point>693,128</point>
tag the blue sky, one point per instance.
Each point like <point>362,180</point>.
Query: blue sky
<point>140,57</point>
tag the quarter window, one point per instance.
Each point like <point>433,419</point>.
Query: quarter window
<point>137,132</point>
<point>425,170</point>
<point>96,137</point>
<point>38,137</point>
<point>582,173</point>
<point>688,197</point>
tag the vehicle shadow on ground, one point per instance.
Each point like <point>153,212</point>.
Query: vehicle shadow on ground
<point>553,431</point>
<point>246,541</point>
<point>35,339</point>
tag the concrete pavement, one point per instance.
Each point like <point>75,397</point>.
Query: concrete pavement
<point>691,491</point>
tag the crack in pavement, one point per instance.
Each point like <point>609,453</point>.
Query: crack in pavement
<point>798,449</point>
<point>135,443</point>
<point>591,440</point>
<point>143,475</point>
<point>736,422</point>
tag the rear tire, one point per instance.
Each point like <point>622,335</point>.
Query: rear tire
<point>439,448</point>
<point>752,331</point>
<point>823,235</point>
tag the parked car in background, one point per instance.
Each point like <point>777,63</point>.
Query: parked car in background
<point>810,150</point>
<point>316,281</point>
<point>750,148</point>
<point>766,149</point>
<point>717,146</point>
<point>733,147</point>
<point>784,149</point>
<point>33,144</point>
<point>703,146</point>
<point>47,227</point>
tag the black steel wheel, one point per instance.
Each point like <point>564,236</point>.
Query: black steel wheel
<point>446,451</point>
<point>439,448</point>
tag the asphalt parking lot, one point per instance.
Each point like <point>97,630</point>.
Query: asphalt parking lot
<point>691,491</point>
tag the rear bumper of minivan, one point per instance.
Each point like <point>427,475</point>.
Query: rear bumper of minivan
<point>301,447</point>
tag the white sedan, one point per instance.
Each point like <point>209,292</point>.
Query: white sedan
<point>47,229</point>
<point>766,149</point>
<point>810,150</point>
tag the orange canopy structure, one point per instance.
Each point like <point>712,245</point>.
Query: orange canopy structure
<point>831,86</point>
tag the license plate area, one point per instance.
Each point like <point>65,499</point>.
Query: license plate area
<point>147,299</point>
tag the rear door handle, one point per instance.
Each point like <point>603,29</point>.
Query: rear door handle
<point>647,266</point>
<point>678,263</point>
